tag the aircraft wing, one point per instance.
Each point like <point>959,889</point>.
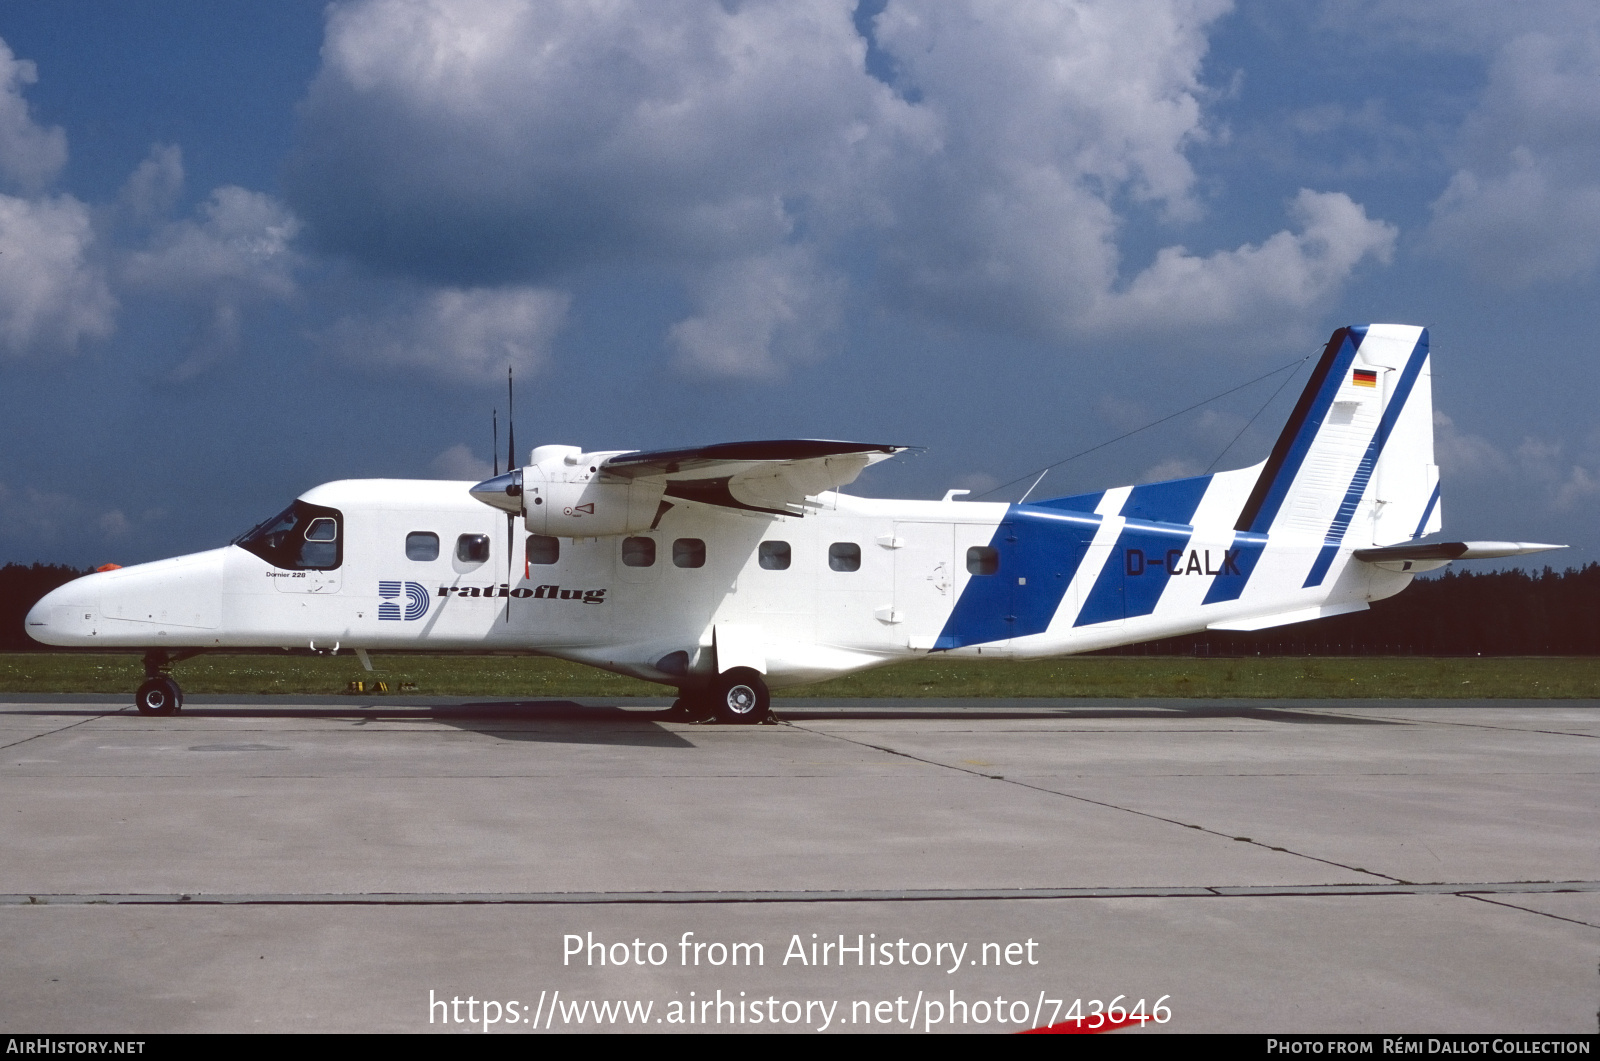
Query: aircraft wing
<point>768,476</point>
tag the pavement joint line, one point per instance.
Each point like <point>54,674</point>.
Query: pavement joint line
<point>63,729</point>
<point>1109,806</point>
<point>1484,725</point>
<point>1530,910</point>
<point>1353,890</point>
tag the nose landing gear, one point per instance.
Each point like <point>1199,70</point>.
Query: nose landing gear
<point>159,695</point>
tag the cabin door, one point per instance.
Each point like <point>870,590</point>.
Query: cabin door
<point>924,582</point>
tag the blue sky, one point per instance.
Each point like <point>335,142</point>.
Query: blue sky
<point>249,247</point>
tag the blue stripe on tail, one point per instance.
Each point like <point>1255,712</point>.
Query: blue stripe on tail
<point>1369,462</point>
<point>1289,452</point>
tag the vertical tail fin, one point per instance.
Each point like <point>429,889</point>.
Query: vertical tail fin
<point>1354,465</point>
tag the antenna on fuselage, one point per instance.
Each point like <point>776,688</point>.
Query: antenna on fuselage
<point>494,448</point>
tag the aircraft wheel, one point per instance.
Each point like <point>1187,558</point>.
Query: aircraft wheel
<point>159,696</point>
<point>741,698</point>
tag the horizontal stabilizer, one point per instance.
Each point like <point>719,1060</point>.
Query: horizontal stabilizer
<point>1303,615</point>
<point>1452,551</point>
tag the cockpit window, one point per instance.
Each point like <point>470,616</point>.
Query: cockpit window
<point>302,537</point>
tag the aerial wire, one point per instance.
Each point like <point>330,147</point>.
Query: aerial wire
<point>1253,419</point>
<point>1154,423</point>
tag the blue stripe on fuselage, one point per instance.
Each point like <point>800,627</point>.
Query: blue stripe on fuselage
<point>1040,548</point>
<point>1242,555</point>
<point>1075,503</point>
<point>1159,517</point>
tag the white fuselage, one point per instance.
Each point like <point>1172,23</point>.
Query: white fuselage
<point>867,582</point>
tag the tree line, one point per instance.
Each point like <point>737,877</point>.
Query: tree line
<point>1466,613</point>
<point>1493,613</point>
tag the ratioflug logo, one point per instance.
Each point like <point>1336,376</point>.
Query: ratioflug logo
<point>504,590</point>
<point>390,595</point>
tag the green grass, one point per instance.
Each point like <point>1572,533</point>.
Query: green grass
<point>1277,677</point>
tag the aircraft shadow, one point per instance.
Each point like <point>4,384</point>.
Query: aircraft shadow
<point>560,722</point>
<point>1259,714</point>
<point>539,721</point>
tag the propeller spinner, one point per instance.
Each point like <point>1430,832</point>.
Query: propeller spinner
<point>503,492</point>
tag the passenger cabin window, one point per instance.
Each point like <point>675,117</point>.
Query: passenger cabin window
<point>639,552</point>
<point>844,556</point>
<point>303,537</point>
<point>472,548</point>
<point>543,549</point>
<point>983,560</point>
<point>422,545</point>
<point>688,552</point>
<point>774,556</point>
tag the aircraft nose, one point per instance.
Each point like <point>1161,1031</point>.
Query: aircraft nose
<point>503,492</point>
<point>58,615</point>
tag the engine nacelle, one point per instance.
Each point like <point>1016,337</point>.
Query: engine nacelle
<point>564,495</point>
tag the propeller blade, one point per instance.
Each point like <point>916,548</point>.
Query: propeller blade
<point>494,450</point>
<point>511,465</point>
<point>511,423</point>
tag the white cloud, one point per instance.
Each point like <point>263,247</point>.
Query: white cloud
<point>1525,206</point>
<point>1288,274</point>
<point>241,243</point>
<point>153,188</point>
<point>1172,468</point>
<point>30,155</point>
<point>745,150</point>
<point>1453,25</point>
<point>459,462</point>
<point>460,335</point>
<point>29,512</point>
<point>53,295</point>
<point>1542,468</point>
<point>238,251</point>
<point>1458,453</point>
<point>755,313</point>
<point>494,141</point>
<point>114,524</point>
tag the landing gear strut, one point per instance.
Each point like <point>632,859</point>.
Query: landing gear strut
<point>159,695</point>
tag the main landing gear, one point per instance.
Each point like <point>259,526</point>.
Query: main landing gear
<point>159,695</point>
<point>737,697</point>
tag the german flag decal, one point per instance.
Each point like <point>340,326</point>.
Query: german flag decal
<point>1364,378</point>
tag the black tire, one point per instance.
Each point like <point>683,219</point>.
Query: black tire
<point>740,697</point>
<point>159,696</point>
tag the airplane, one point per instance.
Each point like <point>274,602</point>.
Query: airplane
<point>727,571</point>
